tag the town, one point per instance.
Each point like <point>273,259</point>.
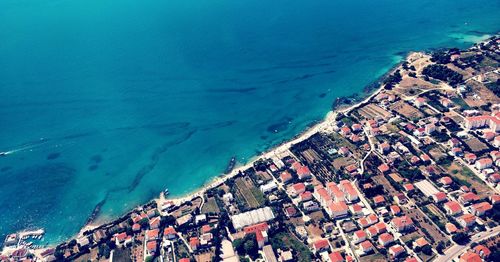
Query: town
<point>412,173</point>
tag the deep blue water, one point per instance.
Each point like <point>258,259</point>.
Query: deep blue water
<point>113,101</point>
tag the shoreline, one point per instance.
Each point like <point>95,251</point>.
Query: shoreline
<point>367,93</point>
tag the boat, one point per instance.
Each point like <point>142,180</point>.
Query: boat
<point>230,165</point>
<point>166,192</point>
<point>3,153</point>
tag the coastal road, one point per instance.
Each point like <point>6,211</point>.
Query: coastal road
<point>456,249</point>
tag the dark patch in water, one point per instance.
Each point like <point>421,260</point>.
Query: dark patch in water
<point>264,137</point>
<point>96,159</point>
<point>93,167</point>
<point>6,168</point>
<point>280,126</point>
<point>217,125</point>
<point>53,156</point>
<point>155,157</point>
<point>322,95</point>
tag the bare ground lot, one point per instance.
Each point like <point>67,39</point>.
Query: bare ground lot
<point>381,180</point>
<point>476,145</point>
<point>434,234</point>
<point>465,176</point>
<point>244,190</point>
<point>210,206</point>
<point>406,110</point>
<point>485,95</point>
<point>371,111</point>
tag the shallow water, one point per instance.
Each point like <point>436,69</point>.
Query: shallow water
<point>116,100</point>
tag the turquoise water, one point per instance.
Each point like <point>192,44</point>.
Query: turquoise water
<point>106,101</point>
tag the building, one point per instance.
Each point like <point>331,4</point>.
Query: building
<point>483,163</point>
<point>452,208</point>
<point>297,189</point>
<point>321,245</point>
<point>285,177</point>
<point>467,220</point>
<point>365,247</point>
<point>252,217</point>
<point>350,192</point>
<point>402,224</point>
<point>467,198</point>
<point>396,250</point>
<point>481,209</point>
<point>439,197</point>
<point>385,239</point>
<point>358,236</point>
<point>337,209</point>
<point>474,122</point>
<point>470,256</point>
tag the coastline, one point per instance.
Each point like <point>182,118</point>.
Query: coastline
<point>369,91</point>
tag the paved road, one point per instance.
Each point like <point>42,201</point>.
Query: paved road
<point>456,250</point>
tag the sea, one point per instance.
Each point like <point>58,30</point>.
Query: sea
<point>106,103</point>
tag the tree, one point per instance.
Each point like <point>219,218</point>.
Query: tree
<point>427,250</point>
<point>460,238</point>
<point>440,247</point>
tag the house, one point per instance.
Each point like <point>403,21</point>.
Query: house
<point>351,194</point>
<point>496,142</point>
<point>450,228</point>
<point>356,209</point>
<point>297,189</point>
<point>402,224</point>
<point>419,102</point>
<point>335,191</point>
<point>467,220</point>
<point>430,128</point>
<point>482,251</point>
<point>495,199</point>
<point>420,242</point>
<point>400,199</point>
<point>303,172</point>
<point>154,223</point>
<point>365,247</point>
<point>425,158</point>
<point>446,181</point>
<point>452,208</point>
<point>439,197</point>
<point>306,196</point>
<point>358,236</point>
<point>409,187</point>
<point>120,238</point>
<point>483,163</point>
<point>337,209</point>
<point>379,200</point>
<point>383,168</point>
<point>470,256</point>
<point>335,257</point>
<point>475,122</point>
<point>384,148</point>
<point>285,177</point>
<point>396,250</point>
<point>194,243</point>
<point>482,208</point>
<point>385,239</point>
<point>269,187</point>
<point>321,245</point>
<point>467,198</point>
<point>169,233</point>
<point>152,234</point>
<point>470,158</point>
<point>395,210</point>
<point>494,178</point>
<point>345,131</point>
<point>151,247</point>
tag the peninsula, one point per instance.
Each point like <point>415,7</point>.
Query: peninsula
<point>411,173</point>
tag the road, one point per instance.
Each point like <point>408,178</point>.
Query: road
<point>456,250</point>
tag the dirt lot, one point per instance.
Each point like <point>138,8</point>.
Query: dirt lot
<point>434,234</point>
<point>406,110</point>
<point>371,111</point>
<point>466,177</point>
<point>476,145</point>
<point>381,180</point>
<point>310,155</point>
<point>244,189</point>
<point>314,231</point>
<point>342,162</point>
<point>210,206</point>
<point>480,95</point>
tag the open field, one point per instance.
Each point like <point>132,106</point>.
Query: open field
<point>476,145</point>
<point>210,206</point>
<point>371,111</point>
<point>244,188</point>
<point>406,110</point>
<point>434,235</point>
<point>465,176</point>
